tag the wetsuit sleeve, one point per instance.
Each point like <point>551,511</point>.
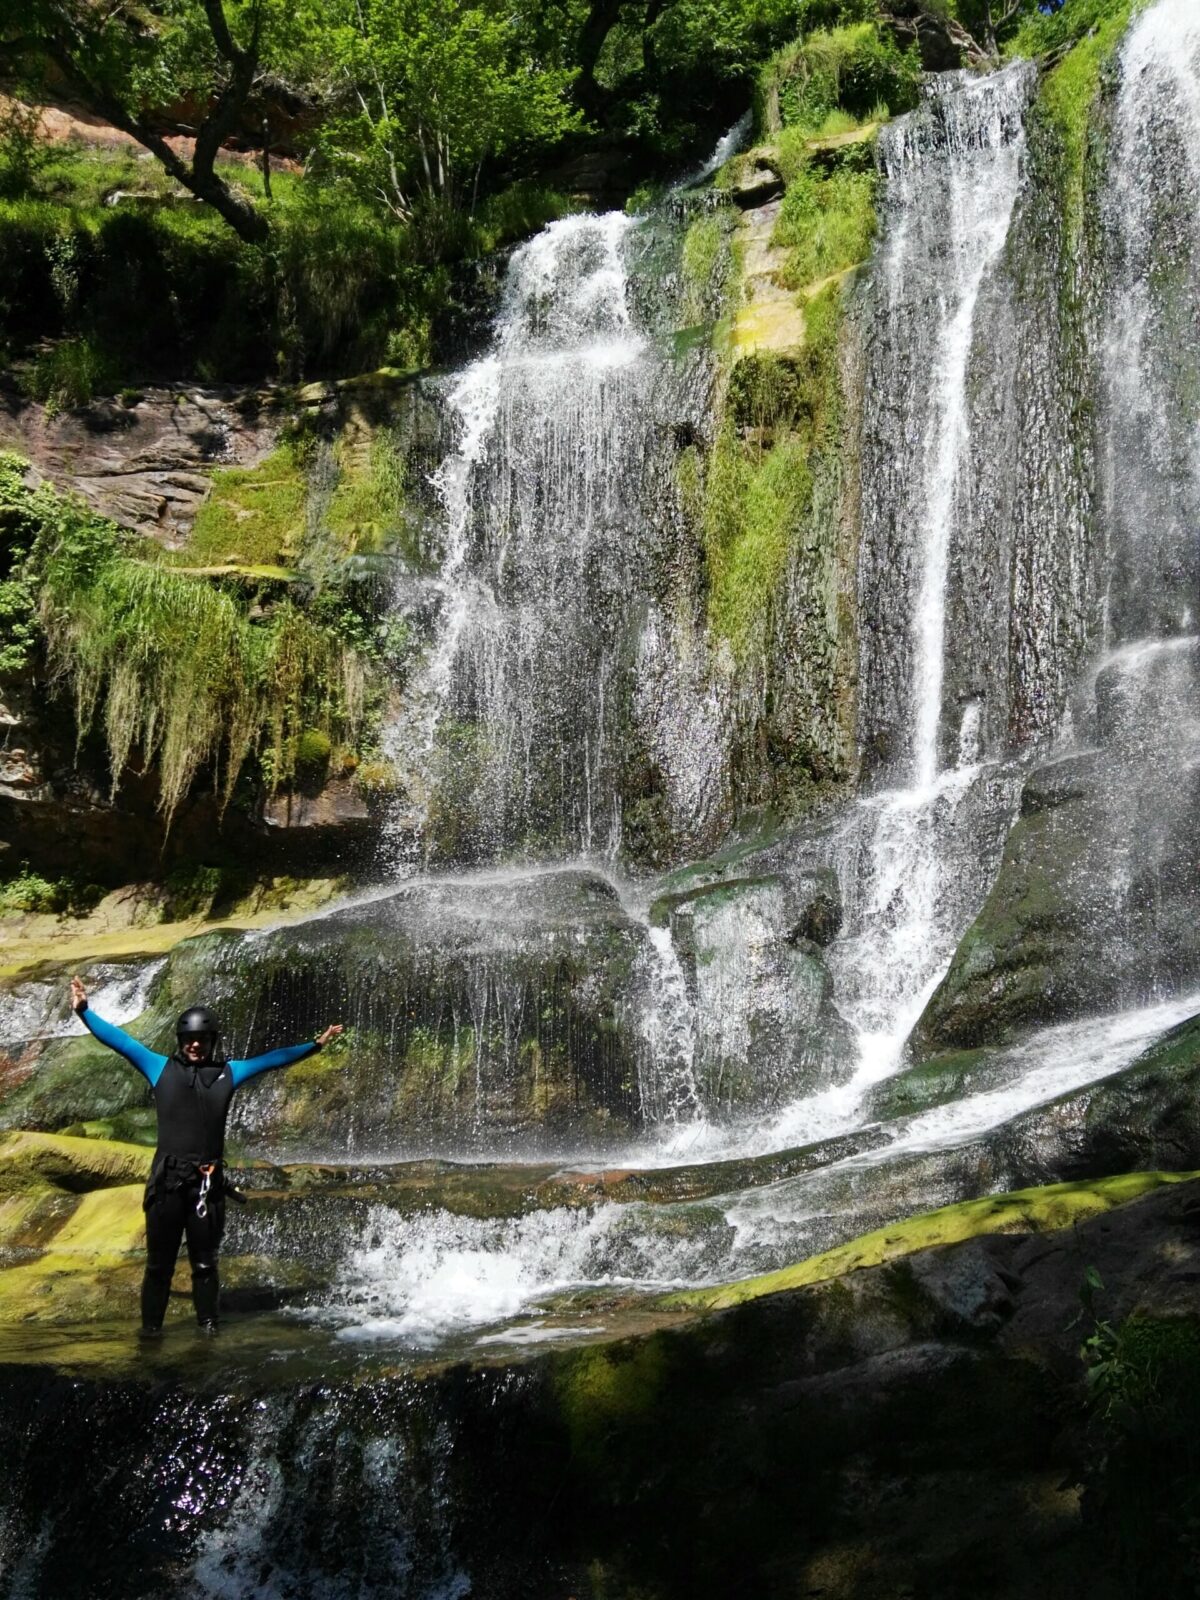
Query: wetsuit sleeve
<point>286,1057</point>
<point>148,1062</point>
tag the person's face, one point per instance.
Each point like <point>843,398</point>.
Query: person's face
<point>195,1047</point>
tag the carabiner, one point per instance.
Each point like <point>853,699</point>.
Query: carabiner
<point>206,1171</point>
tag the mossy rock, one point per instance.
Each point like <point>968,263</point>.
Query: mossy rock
<point>1040,1210</point>
<point>39,1160</point>
<point>1059,936</point>
<point>76,1081</point>
<point>935,1082</point>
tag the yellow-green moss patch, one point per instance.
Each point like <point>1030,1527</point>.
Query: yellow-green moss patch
<point>253,514</point>
<point>1058,1205</point>
<point>131,922</point>
<point>35,1160</point>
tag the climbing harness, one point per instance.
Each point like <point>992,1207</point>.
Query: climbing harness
<point>207,1168</point>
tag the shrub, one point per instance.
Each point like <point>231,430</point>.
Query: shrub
<point>68,374</point>
<point>28,891</point>
<point>857,69</point>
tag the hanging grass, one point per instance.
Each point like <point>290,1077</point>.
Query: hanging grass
<point>172,668</point>
<point>178,673</point>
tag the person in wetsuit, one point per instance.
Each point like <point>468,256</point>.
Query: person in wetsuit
<point>185,1195</point>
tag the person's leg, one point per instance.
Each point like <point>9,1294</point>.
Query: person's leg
<point>203,1242</point>
<point>164,1230</point>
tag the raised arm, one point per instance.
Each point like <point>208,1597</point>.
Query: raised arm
<point>148,1062</point>
<point>287,1056</point>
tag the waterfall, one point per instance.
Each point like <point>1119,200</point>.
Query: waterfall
<point>915,862</point>
<point>1147,685</point>
<point>544,555</point>
<point>952,174</point>
<point>1150,441</point>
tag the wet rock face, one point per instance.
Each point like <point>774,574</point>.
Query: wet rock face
<point>767,1028</point>
<point>1146,1117</point>
<point>837,1428</point>
<point>479,1012</point>
<point>1095,906</point>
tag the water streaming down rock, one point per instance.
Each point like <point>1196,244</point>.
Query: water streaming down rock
<point>1150,420</point>
<point>1096,903</point>
<point>915,861</point>
<point>550,561</point>
<point>952,172</point>
<point>543,970</point>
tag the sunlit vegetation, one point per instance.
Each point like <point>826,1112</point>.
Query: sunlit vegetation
<point>172,668</point>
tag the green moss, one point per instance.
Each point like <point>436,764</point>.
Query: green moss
<point>931,1083</point>
<point>367,508</point>
<point>705,263</point>
<point>75,1080</point>
<point>755,505</point>
<point>314,748</point>
<point>1058,1205</point>
<point>855,71</point>
<point>181,669</point>
<point>30,1160</point>
<point>603,1390</point>
<point>827,220</point>
<point>252,515</point>
<point>780,415</point>
<point>1068,92</point>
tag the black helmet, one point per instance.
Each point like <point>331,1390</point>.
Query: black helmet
<point>197,1021</point>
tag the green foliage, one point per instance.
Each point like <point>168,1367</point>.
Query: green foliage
<point>781,416</point>
<point>1091,30</point>
<point>705,263</point>
<point>857,70</point>
<point>23,154</point>
<point>427,94</point>
<point>827,219</point>
<point>1041,32</point>
<point>367,508</point>
<point>254,515</point>
<point>1145,1370</point>
<point>68,374</point>
<point>28,891</point>
<point>1142,1479</point>
<point>753,512</point>
<point>156,288</point>
<point>515,212</point>
<point>171,666</point>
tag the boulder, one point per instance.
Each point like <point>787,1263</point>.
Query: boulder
<point>145,461</point>
<point>1097,903</point>
<point>767,1030</point>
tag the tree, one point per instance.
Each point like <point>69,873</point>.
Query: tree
<point>426,93</point>
<point>141,67</point>
<point>990,22</point>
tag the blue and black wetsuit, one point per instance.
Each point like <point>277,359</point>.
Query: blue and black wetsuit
<point>192,1103</point>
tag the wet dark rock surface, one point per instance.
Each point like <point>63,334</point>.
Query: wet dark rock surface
<point>1095,905</point>
<point>821,1440</point>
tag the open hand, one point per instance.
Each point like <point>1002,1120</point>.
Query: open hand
<point>78,995</point>
<point>330,1033</point>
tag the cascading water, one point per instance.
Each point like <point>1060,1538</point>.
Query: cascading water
<point>542,548</point>
<point>915,862</point>
<point>1150,433</point>
<point>525,993</point>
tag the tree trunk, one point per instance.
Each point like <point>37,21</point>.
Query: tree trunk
<point>597,25</point>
